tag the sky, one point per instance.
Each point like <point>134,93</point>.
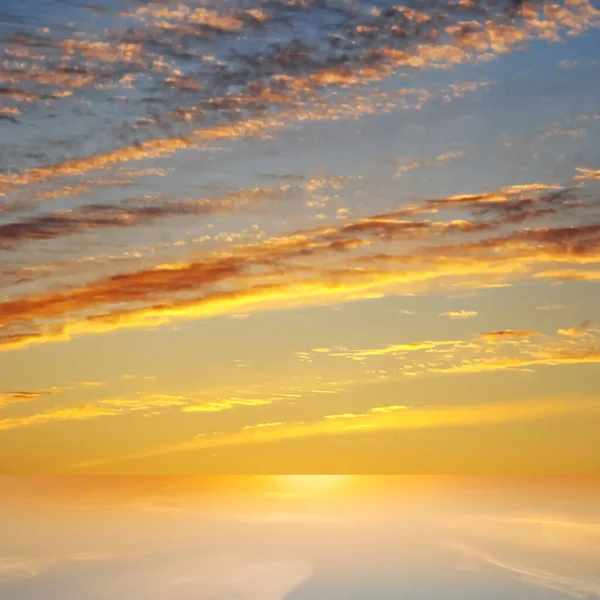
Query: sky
<point>299,236</point>
<point>299,537</point>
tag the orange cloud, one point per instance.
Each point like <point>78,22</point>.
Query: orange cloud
<point>7,398</point>
<point>504,334</point>
<point>572,332</point>
<point>581,331</point>
<point>314,266</point>
<point>569,275</point>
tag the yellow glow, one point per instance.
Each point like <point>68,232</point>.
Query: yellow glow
<point>313,484</point>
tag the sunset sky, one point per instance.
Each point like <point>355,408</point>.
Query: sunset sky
<point>299,236</point>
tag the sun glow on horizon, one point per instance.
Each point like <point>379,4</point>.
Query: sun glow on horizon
<point>313,484</point>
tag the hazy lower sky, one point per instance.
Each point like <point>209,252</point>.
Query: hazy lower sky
<point>299,236</point>
<point>299,538</point>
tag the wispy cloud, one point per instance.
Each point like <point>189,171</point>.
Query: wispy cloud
<point>507,334</point>
<point>76,413</point>
<point>226,404</point>
<point>565,584</point>
<point>459,314</point>
<point>156,402</point>
<point>7,398</point>
<point>382,418</point>
<point>548,307</point>
<point>394,349</point>
<point>480,353</point>
<point>125,215</point>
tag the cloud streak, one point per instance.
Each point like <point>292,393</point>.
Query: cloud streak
<point>8,398</point>
<point>481,353</point>
<point>380,418</point>
<point>459,314</point>
<point>82,412</point>
<point>551,580</point>
<point>340,262</point>
<point>125,215</point>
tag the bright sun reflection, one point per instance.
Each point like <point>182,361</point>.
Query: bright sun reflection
<point>316,484</point>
